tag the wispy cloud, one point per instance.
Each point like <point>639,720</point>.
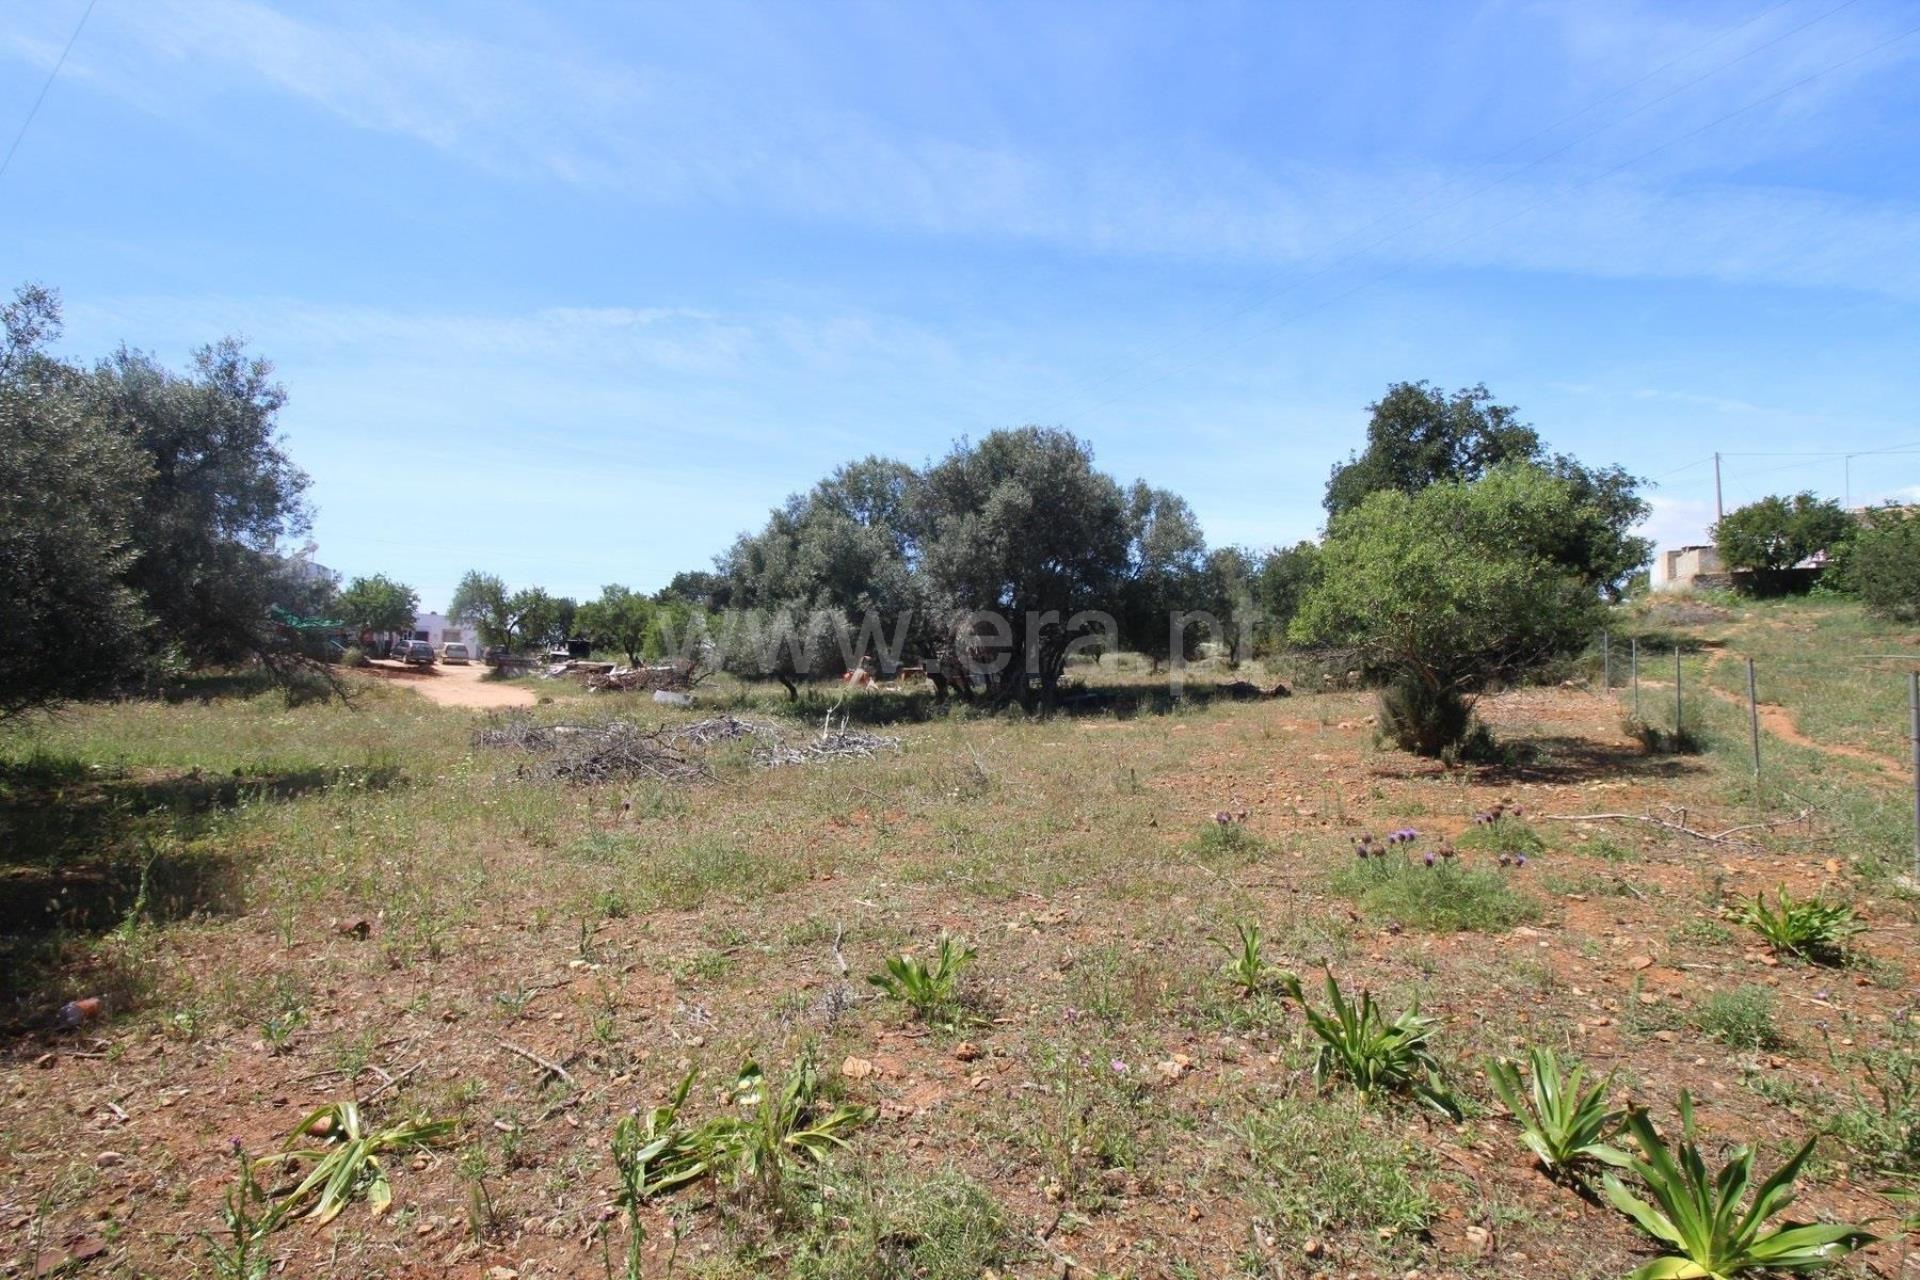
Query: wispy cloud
<point>532,103</point>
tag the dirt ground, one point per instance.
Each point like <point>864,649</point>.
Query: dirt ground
<point>444,939</point>
<point>452,686</point>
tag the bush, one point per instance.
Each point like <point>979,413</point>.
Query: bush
<point>1328,1164</point>
<point>1419,718</point>
<point>1884,567</point>
<point>1742,1018</point>
<point>1447,898</point>
<point>1454,589</point>
<point>354,656</point>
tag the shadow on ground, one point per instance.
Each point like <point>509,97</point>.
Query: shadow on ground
<point>83,850</point>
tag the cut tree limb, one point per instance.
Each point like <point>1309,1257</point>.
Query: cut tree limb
<point>1711,837</point>
<point>553,1068</point>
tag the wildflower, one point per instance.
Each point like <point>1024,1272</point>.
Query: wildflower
<point>1119,1068</point>
<point>1429,859</point>
<point>1505,860</point>
<point>1519,859</point>
<point>1447,850</point>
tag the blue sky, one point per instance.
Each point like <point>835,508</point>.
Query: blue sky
<point>576,292</point>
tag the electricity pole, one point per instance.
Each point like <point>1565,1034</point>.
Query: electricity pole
<point>1719,508</point>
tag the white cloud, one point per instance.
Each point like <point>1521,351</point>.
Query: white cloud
<point>529,104</point>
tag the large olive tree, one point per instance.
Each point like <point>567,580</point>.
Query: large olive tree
<point>1449,590</point>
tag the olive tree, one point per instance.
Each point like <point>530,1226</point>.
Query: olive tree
<point>1449,590</point>
<point>1774,534</point>
<point>68,486</point>
<point>378,603</point>
<point>622,618</point>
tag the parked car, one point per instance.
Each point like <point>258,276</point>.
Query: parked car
<point>418,653</point>
<point>454,653</point>
<point>495,655</point>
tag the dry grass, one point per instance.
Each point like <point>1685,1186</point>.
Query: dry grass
<point>372,897</point>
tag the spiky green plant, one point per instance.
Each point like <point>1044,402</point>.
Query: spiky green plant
<point>653,1155</point>
<point>347,1164</point>
<point>1810,928</point>
<point>248,1216</point>
<point>1698,1217</point>
<point>1359,1044</point>
<point>757,1148</point>
<point>1561,1122</point>
<point>749,1148</point>
<point>930,991</point>
<point>1246,965</point>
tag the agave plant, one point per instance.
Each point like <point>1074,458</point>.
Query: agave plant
<point>348,1162</point>
<point>1359,1044</point>
<point>930,991</point>
<point>1698,1216</point>
<point>1561,1122</point>
<point>1810,928</point>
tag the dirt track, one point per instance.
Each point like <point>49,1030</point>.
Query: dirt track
<point>454,686</point>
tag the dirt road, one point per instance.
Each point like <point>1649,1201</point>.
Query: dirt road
<point>453,686</point>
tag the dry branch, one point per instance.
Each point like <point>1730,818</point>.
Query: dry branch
<point>1711,837</point>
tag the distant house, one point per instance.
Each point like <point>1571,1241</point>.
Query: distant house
<point>1685,568</point>
<point>438,629</point>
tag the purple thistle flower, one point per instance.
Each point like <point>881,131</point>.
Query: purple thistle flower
<point>1429,859</point>
<point>1519,859</point>
<point>1119,1068</point>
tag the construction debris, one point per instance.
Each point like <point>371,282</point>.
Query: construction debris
<point>618,750</point>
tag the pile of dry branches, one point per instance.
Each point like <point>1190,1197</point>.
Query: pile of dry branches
<point>618,750</point>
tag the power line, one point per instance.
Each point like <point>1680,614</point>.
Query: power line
<point>1260,300</point>
<point>1522,212</point>
<point>51,77</point>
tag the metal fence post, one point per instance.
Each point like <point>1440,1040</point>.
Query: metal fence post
<point>1633,660</point>
<point>1913,706</point>
<point>1676,692</point>
<point>1753,716</point>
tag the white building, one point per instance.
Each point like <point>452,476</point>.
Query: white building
<point>438,629</point>
<point>1680,568</point>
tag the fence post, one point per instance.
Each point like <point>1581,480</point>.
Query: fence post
<point>1676,693</point>
<point>1633,660</point>
<point>1913,706</point>
<point>1753,716</point>
<point>1606,659</point>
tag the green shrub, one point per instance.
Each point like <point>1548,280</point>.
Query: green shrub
<point>931,991</point>
<point>904,1223</point>
<point>1561,1123</point>
<point>354,656</point>
<point>1884,564</point>
<point>1742,1018</point>
<point>1809,928</point>
<point>1418,718</point>
<point>1448,897</point>
<point>1358,1044</point>
<point>1325,1163</point>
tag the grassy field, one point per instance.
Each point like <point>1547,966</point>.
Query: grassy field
<point>283,907</point>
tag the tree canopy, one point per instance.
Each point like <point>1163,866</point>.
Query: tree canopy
<point>514,618</point>
<point>1452,588</point>
<point>620,617</point>
<point>1419,436</point>
<point>1777,533</point>
<point>144,513</point>
<point>378,603</point>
